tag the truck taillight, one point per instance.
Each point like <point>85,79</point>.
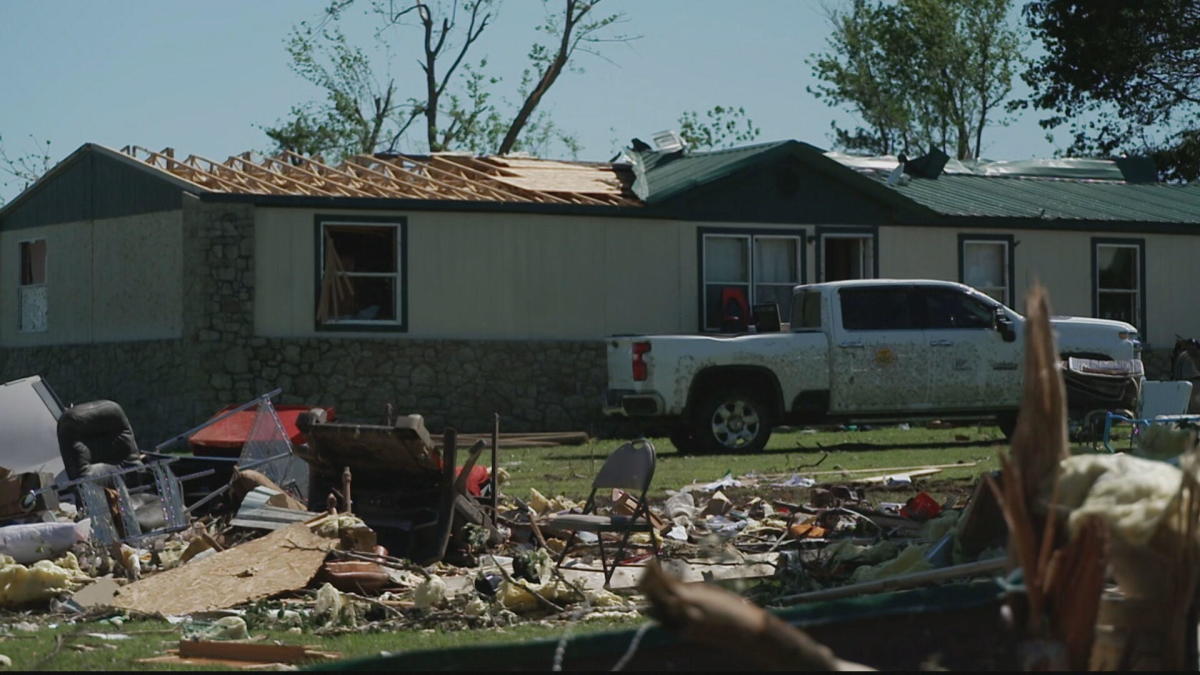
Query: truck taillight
<point>640,369</point>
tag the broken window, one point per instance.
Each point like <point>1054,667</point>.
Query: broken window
<point>31,289</point>
<point>1118,281</point>
<point>984,264</point>
<point>361,274</point>
<point>741,270</point>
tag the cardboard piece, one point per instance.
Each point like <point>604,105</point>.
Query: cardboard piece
<point>99,593</point>
<point>284,560</point>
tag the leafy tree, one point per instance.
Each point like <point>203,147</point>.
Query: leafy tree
<point>721,127</point>
<point>458,105</point>
<point>1124,75</point>
<point>919,73</point>
<point>25,168</point>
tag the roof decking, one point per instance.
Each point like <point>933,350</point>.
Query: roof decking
<point>440,176</point>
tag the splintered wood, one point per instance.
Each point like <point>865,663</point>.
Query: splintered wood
<point>441,176</point>
<point>284,560</point>
<point>1064,578</point>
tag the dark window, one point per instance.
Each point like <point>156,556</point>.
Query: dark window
<point>950,308</point>
<point>1118,282</point>
<point>877,309</point>
<point>806,311</point>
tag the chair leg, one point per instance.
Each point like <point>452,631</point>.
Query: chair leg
<point>567,547</point>
<point>603,559</point>
<point>620,554</point>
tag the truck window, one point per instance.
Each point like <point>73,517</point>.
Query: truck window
<point>806,311</point>
<point>877,308</point>
<point>951,308</point>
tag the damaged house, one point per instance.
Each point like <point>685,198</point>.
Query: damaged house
<point>454,286</point>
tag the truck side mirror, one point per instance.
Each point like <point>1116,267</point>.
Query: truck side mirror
<point>1003,325</point>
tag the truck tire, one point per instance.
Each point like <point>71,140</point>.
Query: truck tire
<point>732,420</point>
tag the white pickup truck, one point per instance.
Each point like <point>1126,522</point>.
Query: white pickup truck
<point>854,351</point>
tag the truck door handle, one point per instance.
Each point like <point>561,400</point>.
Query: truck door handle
<point>851,345</point>
<point>940,343</point>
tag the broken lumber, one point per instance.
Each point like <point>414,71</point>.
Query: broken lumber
<point>712,615</point>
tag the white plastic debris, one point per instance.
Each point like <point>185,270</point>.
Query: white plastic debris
<point>41,541</point>
<point>725,481</point>
<point>677,533</point>
<point>228,628</point>
<point>681,504</point>
<point>796,481</point>
<point>430,593</point>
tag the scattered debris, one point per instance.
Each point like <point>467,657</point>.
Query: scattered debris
<point>284,560</point>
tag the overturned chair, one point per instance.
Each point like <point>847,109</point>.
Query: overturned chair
<point>102,460</point>
<point>629,467</point>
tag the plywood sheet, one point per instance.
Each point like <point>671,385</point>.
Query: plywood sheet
<point>284,560</point>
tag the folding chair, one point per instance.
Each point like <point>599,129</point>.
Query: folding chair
<point>1161,403</point>
<point>629,467</point>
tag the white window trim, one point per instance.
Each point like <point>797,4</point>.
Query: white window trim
<point>397,276</point>
<point>750,284</point>
<point>1008,283</point>
<point>45,284</point>
<point>868,264</point>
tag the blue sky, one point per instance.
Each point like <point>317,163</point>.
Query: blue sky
<point>201,76</point>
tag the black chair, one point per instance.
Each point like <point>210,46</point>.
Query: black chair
<point>95,436</point>
<point>629,467</point>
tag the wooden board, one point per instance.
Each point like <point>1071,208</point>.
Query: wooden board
<point>284,560</point>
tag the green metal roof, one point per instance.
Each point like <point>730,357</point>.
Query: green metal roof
<point>661,175</point>
<point>1052,199</point>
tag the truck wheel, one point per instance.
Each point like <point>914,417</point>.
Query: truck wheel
<point>732,420</point>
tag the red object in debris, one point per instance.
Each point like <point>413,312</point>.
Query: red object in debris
<point>476,479</point>
<point>225,438</point>
<point>921,507</point>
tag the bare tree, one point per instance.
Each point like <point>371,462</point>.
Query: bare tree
<point>25,168</point>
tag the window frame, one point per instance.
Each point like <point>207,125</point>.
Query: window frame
<point>823,233</point>
<point>799,235</point>
<point>1139,246</point>
<point>400,224</point>
<point>1010,245</point>
<point>45,284</point>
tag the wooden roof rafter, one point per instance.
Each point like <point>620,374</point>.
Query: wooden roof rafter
<point>440,176</point>
<point>284,167</point>
<point>245,162</point>
<point>406,183</point>
<point>438,187</point>
<point>334,174</point>
<point>248,181</point>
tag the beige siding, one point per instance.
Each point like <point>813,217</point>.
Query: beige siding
<point>1062,261</point>
<point>491,275</point>
<point>107,280</point>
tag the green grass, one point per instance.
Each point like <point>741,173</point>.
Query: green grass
<point>40,651</point>
<point>566,470</point>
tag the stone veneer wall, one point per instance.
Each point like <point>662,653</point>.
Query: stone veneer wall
<point>167,386</point>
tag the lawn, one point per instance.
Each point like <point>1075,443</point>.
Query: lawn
<point>566,470</point>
